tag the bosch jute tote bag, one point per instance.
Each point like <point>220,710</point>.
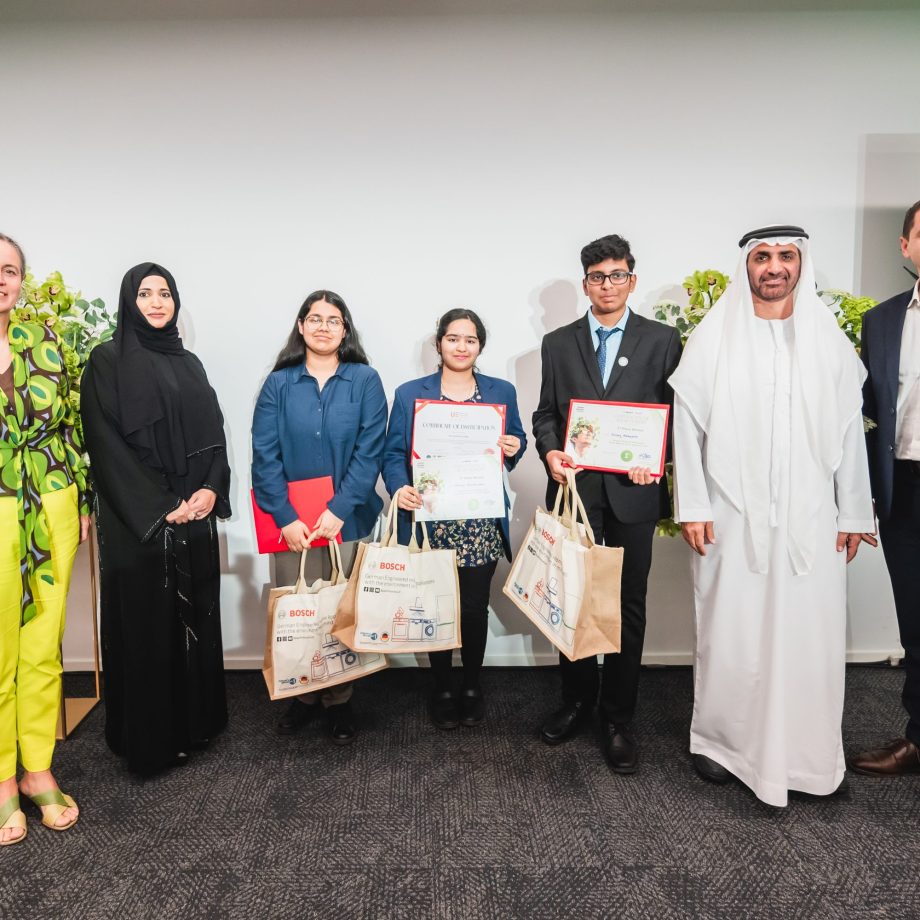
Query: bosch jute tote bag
<point>400,598</point>
<point>301,654</point>
<point>565,583</point>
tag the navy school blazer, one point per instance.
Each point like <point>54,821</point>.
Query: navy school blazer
<point>396,460</point>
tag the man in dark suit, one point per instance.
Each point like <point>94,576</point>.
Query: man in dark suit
<point>616,355</point>
<point>891,353</point>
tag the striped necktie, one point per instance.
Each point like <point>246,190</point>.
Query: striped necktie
<point>603,335</point>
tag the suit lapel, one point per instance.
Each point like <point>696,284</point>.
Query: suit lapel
<point>631,336</point>
<point>431,386</point>
<point>588,355</point>
<point>894,328</point>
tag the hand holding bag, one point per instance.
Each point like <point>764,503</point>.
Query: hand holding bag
<point>401,598</point>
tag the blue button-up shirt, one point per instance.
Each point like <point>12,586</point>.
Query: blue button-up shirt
<point>613,341</point>
<point>302,432</point>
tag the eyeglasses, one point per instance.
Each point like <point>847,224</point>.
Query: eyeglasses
<point>617,277</point>
<point>333,322</point>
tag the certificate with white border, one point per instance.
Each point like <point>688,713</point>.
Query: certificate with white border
<point>459,488</point>
<point>614,437</point>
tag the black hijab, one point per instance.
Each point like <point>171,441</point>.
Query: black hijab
<point>167,409</point>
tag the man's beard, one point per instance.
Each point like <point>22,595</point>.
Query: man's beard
<point>773,294</point>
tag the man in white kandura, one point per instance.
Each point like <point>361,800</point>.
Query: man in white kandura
<point>772,491</point>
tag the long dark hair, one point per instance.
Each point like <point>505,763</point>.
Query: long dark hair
<point>294,351</point>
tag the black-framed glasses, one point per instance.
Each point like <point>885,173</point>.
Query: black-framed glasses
<point>617,277</point>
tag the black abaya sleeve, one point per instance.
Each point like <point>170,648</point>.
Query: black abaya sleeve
<point>139,495</point>
<point>218,479</point>
<point>218,476</point>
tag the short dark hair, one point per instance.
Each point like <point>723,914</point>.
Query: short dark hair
<point>451,316</point>
<point>909,219</point>
<point>607,247</point>
<point>18,248</point>
<point>294,350</point>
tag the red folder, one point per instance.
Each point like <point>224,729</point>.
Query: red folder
<point>309,498</point>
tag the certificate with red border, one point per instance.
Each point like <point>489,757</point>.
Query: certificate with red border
<point>457,461</point>
<point>441,428</point>
<point>614,437</point>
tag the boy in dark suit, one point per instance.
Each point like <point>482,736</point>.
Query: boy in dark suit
<point>891,353</point>
<point>609,354</point>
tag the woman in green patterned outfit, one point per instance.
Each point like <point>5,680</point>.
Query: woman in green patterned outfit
<point>43,513</point>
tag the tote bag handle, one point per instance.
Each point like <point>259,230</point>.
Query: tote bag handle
<point>577,509</point>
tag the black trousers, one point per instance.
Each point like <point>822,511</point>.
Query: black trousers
<point>475,582</point>
<point>619,683</point>
<point>901,542</point>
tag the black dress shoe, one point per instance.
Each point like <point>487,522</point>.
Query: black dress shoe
<point>445,713</point>
<point>710,770</point>
<point>619,747</point>
<point>472,707</point>
<point>564,723</point>
<point>341,723</point>
<point>296,716</point>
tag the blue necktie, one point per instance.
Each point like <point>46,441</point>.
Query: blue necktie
<point>603,335</point>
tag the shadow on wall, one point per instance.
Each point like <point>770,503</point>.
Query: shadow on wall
<point>889,165</point>
<point>669,292</point>
<point>250,602</point>
<point>551,306</point>
<point>429,360</point>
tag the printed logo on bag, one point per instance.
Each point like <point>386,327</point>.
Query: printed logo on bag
<point>369,590</point>
<point>302,612</point>
<point>393,566</point>
<point>284,638</point>
<point>290,681</point>
<point>548,537</point>
<point>384,637</point>
<point>304,679</point>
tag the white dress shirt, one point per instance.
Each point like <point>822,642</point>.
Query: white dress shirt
<point>907,433</point>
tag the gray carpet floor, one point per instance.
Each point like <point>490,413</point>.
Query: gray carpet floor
<point>410,822</point>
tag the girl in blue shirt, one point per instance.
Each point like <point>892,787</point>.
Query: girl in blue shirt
<point>322,412</point>
<point>480,543</point>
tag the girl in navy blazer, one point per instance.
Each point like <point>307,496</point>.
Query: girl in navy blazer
<point>460,339</point>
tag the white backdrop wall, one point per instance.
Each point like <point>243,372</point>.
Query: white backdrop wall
<point>416,164</point>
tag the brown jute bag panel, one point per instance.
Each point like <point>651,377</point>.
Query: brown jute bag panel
<point>268,669</point>
<point>598,629</point>
<point>345,617</point>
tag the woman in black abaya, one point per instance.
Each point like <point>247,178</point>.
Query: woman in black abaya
<point>158,459</point>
